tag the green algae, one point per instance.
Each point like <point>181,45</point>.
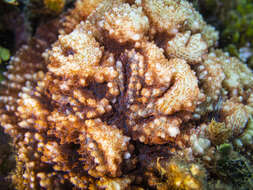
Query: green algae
<point>234,20</point>
<point>4,54</point>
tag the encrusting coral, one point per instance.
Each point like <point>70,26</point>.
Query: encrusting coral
<point>125,81</point>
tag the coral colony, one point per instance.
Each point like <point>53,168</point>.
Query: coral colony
<point>128,95</point>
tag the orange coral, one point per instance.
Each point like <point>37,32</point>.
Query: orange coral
<point>126,23</point>
<point>175,174</point>
<point>236,115</point>
<point>120,77</point>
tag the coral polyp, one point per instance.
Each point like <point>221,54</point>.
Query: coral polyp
<point>124,82</point>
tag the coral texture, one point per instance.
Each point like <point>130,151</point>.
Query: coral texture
<point>125,82</point>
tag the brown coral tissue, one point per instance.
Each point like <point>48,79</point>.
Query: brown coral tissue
<point>111,84</point>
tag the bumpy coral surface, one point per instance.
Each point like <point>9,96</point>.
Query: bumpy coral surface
<point>125,81</point>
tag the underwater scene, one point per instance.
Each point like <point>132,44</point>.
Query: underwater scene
<point>126,94</point>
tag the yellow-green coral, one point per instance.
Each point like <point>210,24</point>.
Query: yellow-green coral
<point>217,132</point>
<point>176,174</point>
